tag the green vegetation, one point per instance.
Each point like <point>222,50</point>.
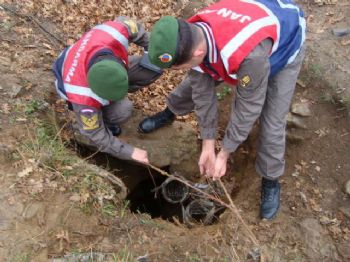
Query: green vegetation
<point>50,152</point>
<point>21,257</point>
<point>224,92</point>
<point>32,106</point>
<point>124,255</point>
<point>46,147</point>
<point>109,209</point>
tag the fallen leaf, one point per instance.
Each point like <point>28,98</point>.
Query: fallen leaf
<point>21,119</point>
<point>322,132</point>
<point>75,198</point>
<point>345,42</point>
<point>5,108</point>
<point>314,206</point>
<point>328,221</point>
<point>25,172</point>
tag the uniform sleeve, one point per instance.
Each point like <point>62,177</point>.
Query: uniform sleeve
<point>137,32</point>
<point>91,125</point>
<point>250,95</point>
<point>205,100</point>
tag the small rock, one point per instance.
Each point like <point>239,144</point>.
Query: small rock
<point>345,211</point>
<point>328,221</point>
<point>301,109</point>
<point>83,257</point>
<point>295,174</point>
<point>254,255</point>
<point>75,198</point>
<point>6,153</point>
<point>15,91</point>
<point>341,31</point>
<point>5,224</point>
<point>294,121</point>
<point>294,139</point>
<point>318,244</point>
<point>347,187</point>
<point>344,250</point>
<point>303,197</point>
<point>142,259</point>
<point>31,210</point>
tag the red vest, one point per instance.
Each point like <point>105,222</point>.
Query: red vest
<point>111,35</point>
<point>237,27</point>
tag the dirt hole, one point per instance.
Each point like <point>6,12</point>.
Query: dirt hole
<point>147,197</point>
<point>158,195</point>
<point>171,199</point>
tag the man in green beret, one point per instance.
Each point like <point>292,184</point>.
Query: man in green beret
<point>256,46</point>
<point>94,76</point>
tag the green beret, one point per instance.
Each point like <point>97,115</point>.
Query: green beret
<point>163,42</point>
<point>109,80</point>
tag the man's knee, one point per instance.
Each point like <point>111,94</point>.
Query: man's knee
<point>125,111</point>
<point>118,112</point>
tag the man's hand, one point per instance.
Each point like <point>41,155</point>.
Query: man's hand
<point>206,161</point>
<point>140,155</point>
<point>220,164</point>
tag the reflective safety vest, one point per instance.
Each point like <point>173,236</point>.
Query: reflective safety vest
<point>72,66</point>
<point>234,28</point>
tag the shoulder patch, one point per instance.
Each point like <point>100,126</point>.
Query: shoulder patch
<point>245,81</point>
<point>89,119</point>
<point>132,25</point>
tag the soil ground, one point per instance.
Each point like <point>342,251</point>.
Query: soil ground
<point>49,208</point>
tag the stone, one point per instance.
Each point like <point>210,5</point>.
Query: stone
<point>347,187</point>
<point>341,31</point>
<point>6,153</point>
<point>345,211</point>
<point>254,255</point>
<point>344,250</point>
<point>294,139</point>
<point>14,91</point>
<point>189,8</point>
<point>301,109</point>
<point>31,210</point>
<point>295,121</point>
<point>83,257</point>
<point>174,146</point>
<point>4,224</point>
<point>318,244</point>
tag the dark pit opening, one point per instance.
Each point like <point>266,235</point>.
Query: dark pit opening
<point>145,198</point>
<point>156,194</point>
<point>141,183</point>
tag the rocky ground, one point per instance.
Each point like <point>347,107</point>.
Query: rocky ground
<point>54,206</point>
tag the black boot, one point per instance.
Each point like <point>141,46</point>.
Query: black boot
<point>156,121</point>
<point>270,198</point>
<point>115,129</point>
